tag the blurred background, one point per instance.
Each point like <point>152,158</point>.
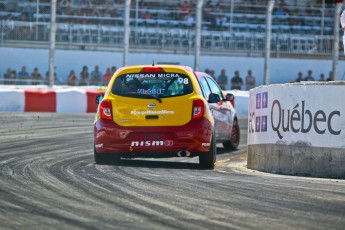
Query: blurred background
<point>90,38</point>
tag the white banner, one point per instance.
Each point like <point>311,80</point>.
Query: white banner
<point>291,114</point>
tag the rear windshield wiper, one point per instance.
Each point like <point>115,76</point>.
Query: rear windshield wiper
<point>147,96</point>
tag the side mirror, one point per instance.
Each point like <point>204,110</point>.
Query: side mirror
<point>230,97</point>
<point>99,98</point>
<point>213,98</point>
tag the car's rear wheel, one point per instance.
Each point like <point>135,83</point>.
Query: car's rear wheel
<point>234,142</point>
<point>102,158</point>
<point>207,159</point>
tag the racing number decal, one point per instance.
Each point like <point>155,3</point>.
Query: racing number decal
<point>184,81</point>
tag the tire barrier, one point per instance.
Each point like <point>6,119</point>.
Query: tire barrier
<point>298,129</point>
<point>49,100</point>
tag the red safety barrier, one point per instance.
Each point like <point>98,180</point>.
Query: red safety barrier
<point>40,101</point>
<point>91,100</point>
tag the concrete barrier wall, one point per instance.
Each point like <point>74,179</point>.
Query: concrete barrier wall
<point>298,129</point>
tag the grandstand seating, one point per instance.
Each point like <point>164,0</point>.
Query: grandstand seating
<point>158,24</point>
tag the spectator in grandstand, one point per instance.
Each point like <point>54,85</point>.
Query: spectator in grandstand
<point>236,81</point>
<point>296,18</point>
<point>299,77</point>
<point>207,11</point>
<point>12,5</point>
<point>115,13</point>
<point>330,76</point>
<point>56,79</point>
<point>96,76</point>
<point>309,77</point>
<point>36,77</point>
<point>250,80</point>
<point>106,3</point>
<point>280,11</point>
<point>219,19</point>
<point>65,3</point>
<point>212,74</point>
<point>95,12</point>
<point>13,77</point>
<point>189,20</point>
<point>81,16</point>
<point>207,71</point>
<point>309,9</point>
<point>72,79</point>
<point>144,15</point>
<point>25,31</point>
<point>9,23</point>
<point>322,77</point>
<point>23,76</point>
<point>84,76</point>
<point>68,10</point>
<point>107,76</point>
<point>218,22</point>
<point>7,77</point>
<point>184,9</point>
<point>113,69</point>
<point>222,79</point>
<point>106,13</point>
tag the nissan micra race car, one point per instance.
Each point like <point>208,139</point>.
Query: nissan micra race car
<point>163,111</point>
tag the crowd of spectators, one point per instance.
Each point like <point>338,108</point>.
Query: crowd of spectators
<point>236,82</point>
<point>84,78</point>
<point>215,12</point>
<point>98,78</point>
<point>309,77</point>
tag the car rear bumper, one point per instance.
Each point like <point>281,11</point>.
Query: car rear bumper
<point>195,137</point>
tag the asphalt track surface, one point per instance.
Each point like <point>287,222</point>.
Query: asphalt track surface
<point>48,180</point>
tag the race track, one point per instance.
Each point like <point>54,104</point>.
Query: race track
<point>48,180</point>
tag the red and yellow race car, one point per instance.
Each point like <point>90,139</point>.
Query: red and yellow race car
<point>163,111</point>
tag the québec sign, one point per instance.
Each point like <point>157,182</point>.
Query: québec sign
<point>303,120</point>
<point>293,113</point>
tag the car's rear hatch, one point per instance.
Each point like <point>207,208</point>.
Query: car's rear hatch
<point>153,96</point>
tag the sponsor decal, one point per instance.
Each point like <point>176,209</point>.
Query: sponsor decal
<point>151,105</point>
<point>166,143</point>
<point>206,144</point>
<point>99,146</point>
<point>259,124</point>
<point>151,91</point>
<point>123,120</point>
<point>152,75</point>
<point>150,112</point>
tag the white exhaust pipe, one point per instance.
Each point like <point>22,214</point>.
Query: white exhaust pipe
<point>183,153</point>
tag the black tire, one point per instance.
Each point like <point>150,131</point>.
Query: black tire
<point>207,159</point>
<point>103,159</point>
<point>234,141</point>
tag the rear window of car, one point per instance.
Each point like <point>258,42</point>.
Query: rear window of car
<point>161,85</point>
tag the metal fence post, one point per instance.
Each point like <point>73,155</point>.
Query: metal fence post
<point>126,33</point>
<point>52,43</point>
<point>198,35</point>
<point>336,40</point>
<point>268,42</point>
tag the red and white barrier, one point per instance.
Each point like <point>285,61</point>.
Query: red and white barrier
<point>68,100</point>
<point>72,99</point>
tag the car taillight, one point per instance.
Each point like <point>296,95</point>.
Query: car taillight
<point>152,69</point>
<point>232,101</point>
<point>198,108</point>
<point>105,109</point>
